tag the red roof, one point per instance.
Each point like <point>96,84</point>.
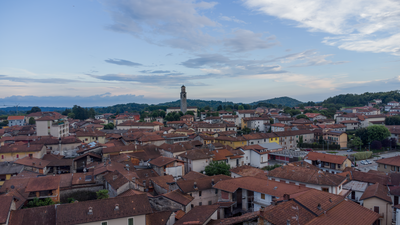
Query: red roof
<point>16,118</point>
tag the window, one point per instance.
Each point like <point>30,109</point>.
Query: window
<point>2,156</point>
<point>376,209</point>
<point>216,191</point>
<point>200,203</point>
<point>104,223</point>
<point>209,202</point>
<point>385,166</point>
<point>17,156</point>
<point>199,193</point>
<point>130,221</point>
<point>263,196</point>
<point>325,189</point>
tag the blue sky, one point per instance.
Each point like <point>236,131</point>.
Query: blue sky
<point>104,52</point>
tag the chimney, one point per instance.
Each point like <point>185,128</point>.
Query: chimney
<point>116,207</point>
<point>90,212</point>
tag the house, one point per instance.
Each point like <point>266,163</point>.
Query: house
<point>277,127</point>
<point>195,160</point>
<point>351,124</point>
<point>255,123</point>
<point>261,138</point>
<point>187,118</point>
<point>34,164</point>
<point>232,158</point>
<point>89,134</point>
<point>309,177</point>
<point>164,184</point>
<point>283,119</point>
<point>234,142</point>
<point>376,198</point>
<point>389,165</point>
<point>232,119</point>
<point>120,210</point>
<point>44,187</point>
<point>336,137</point>
<point>56,126</point>
<point>172,201</point>
<point>328,162</point>
<point>245,113</point>
<point>116,183</point>
<point>16,121</point>
<point>393,104</point>
<point>290,139</point>
<point>16,151</point>
<point>315,116</point>
<point>356,189</point>
<point>255,155</point>
<point>7,170</point>
<point>253,193</point>
<point>200,215</point>
<point>217,127</point>
<point>42,215</point>
<point>138,125</point>
<point>201,189</point>
<point>165,165</point>
<point>175,138</point>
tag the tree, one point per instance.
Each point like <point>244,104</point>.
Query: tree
<point>32,121</point>
<point>92,113</point>
<point>377,132</point>
<point>362,133</point>
<point>71,115</point>
<point>246,130</point>
<point>356,142</point>
<point>219,108</point>
<point>217,167</point>
<point>300,141</point>
<point>392,120</point>
<point>376,144</point>
<point>302,116</point>
<point>109,126</point>
<point>34,109</point>
<point>240,107</point>
<point>102,194</point>
<point>189,113</point>
<point>40,202</point>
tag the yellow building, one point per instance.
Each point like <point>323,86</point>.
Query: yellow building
<point>376,198</point>
<point>234,142</point>
<point>336,137</point>
<point>88,135</point>
<point>7,170</point>
<point>261,138</point>
<point>14,152</point>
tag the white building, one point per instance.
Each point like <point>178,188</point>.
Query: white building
<point>52,125</point>
<point>16,121</point>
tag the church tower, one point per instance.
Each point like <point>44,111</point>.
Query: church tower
<point>183,100</point>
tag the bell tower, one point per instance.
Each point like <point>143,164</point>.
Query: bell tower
<point>183,99</point>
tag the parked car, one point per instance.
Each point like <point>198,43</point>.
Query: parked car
<point>308,150</point>
<point>350,150</point>
<point>368,162</point>
<point>363,162</point>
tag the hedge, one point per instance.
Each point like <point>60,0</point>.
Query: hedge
<point>362,155</point>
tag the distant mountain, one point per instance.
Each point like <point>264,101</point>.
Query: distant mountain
<point>284,101</point>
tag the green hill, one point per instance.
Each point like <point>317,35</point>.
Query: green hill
<point>284,101</point>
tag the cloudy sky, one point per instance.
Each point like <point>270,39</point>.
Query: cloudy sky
<point>103,52</point>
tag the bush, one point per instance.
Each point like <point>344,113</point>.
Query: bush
<point>376,145</point>
<point>102,194</point>
<point>271,167</point>
<point>217,167</point>
<point>39,202</point>
<point>362,155</point>
<point>79,196</point>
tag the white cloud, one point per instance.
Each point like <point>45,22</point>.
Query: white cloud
<point>357,25</point>
<point>246,40</point>
<point>232,19</point>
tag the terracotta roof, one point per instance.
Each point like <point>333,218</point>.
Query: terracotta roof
<point>83,178</point>
<point>131,192</point>
<point>318,201</point>
<point>179,197</point>
<point>256,184</point>
<point>43,183</point>
<point>158,218</point>
<point>163,180</point>
<point>202,183</point>
<point>102,209</point>
<point>15,148</point>
<point>392,161</point>
<point>236,220</point>
<point>16,118</point>
<point>254,136</point>
<point>196,154</point>
<point>89,132</point>
<point>33,162</point>
<point>193,175</point>
<point>137,124</point>
<point>346,212</point>
<point>198,215</point>
<point>43,215</point>
<point>306,175</point>
<point>246,111</point>
<point>370,177</point>
<point>5,208</point>
<point>314,156</point>
<point>162,161</point>
<point>287,211</point>
<point>115,179</point>
<point>378,191</point>
<point>179,214</point>
<point>245,171</point>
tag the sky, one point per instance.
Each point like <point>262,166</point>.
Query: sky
<point>106,52</point>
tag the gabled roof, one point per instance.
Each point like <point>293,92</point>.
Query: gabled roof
<point>5,208</point>
<point>265,186</point>
<point>16,118</point>
<point>305,175</point>
<point>179,197</point>
<point>392,161</point>
<point>162,161</point>
<point>33,162</point>
<point>315,156</point>
<point>198,215</point>
<point>378,191</point>
<point>16,148</point>
<point>115,179</point>
<point>245,171</point>
<point>318,201</point>
<point>103,209</point>
<point>43,215</point>
<point>163,181</point>
<point>193,175</point>
<point>158,218</point>
<point>346,212</point>
<point>287,211</point>
<point>43,183</point>
<point>203,183</point>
